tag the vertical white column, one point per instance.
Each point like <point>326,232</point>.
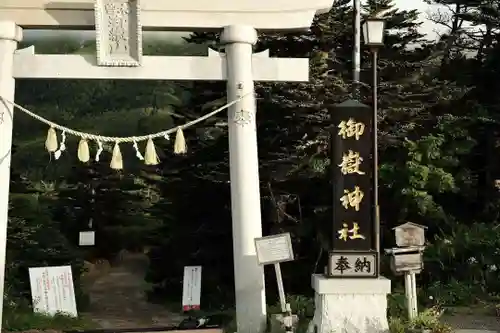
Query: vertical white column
<point>10,34</point>
<point>414,305</point>
<point>244,173</point>
<point>409,295</point>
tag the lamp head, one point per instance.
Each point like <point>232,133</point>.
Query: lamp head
<point>373,31</point>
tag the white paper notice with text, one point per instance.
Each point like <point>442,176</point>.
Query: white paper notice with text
<point>191,288</point>
<point>52,290</point>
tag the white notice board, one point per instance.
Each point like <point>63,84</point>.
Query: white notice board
<point>87,238</point>
<point>191,288</point>
<point>52,290</point>
<point>274,249</point>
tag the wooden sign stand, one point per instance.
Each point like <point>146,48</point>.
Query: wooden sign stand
<point>407,259</point>
<point>274,250</point>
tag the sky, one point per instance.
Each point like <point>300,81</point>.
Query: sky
<point>428,27</point>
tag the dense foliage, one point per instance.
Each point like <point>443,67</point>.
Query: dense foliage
<point>439,138</point>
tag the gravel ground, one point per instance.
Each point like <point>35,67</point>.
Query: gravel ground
<point>473,322</point>
<point>118,299</point>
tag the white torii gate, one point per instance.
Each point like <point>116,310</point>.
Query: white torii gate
<point>239,22</point>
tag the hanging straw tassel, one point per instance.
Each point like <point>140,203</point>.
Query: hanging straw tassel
<point>116,159</point>
<point>51,142</point>
<point>83,151</point>
<point>180,146</point>
<point>150,157</point>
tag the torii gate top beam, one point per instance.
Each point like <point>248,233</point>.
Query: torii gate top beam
<point>187,15</point>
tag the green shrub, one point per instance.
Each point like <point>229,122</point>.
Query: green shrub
<point>302,306</point>
<point>454,293</point>
<point>396,305</point>
<point>428,319</point>
<point>35,241</point>
<point>17,319</point>
<point>466,261</point>
<point>397,325</point>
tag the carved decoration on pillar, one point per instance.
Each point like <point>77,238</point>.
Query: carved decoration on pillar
<point>243,117</point>
<point>1,117</point>
<point>118,33</point>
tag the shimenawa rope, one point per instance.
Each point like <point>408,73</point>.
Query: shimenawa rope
<point>150,157</point>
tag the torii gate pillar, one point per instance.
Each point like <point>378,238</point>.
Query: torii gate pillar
<point>10,35</point>
<point>244,175</point>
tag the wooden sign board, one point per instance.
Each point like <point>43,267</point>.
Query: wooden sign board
<point>52,290</point>
<point>352,264</point>
<point>410,234</point>
<point>274,249</point>
<point>119,33</point>
<point>191,288</point>
<point>407,262</point>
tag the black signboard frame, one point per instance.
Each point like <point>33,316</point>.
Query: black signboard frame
<point>376,268</point>
<point>353,142</point>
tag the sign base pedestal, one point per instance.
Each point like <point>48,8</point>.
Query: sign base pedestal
<point>350,305</point>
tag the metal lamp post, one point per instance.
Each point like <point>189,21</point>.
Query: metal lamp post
<point>373,34</point>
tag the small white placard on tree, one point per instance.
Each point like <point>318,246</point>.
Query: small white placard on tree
<point>52,290</point>
<point>191,288</point>
<point>274,249</point>
<point>87,238</point>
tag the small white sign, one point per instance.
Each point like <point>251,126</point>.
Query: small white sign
<point>52,290</point>
<point>87,238</point>
<point>274,249</point>
<point>191,288</point>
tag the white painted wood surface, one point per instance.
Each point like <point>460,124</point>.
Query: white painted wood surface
<point>155,68</point>
<point>244,175</point>
<point>9,36</point>
<point>171,15</point>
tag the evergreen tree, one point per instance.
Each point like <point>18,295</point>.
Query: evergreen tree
<point>293,121</point>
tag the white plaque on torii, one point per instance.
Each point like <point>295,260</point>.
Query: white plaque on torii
<point>118,33</point>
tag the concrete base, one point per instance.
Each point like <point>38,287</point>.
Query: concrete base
<point>350,305</point>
